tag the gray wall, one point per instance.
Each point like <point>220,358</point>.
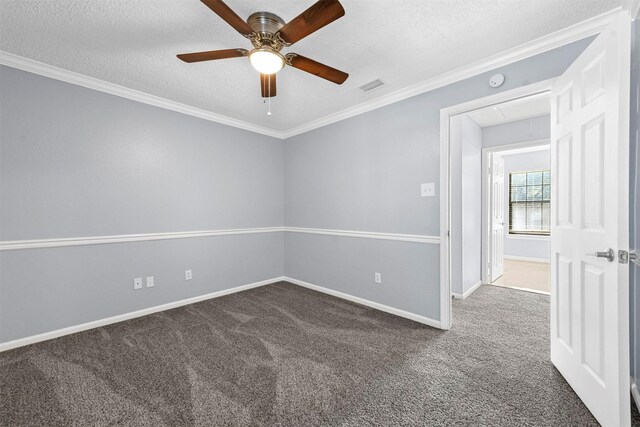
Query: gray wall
<point>471,203</point>
<point>364,173</point>
<point>634,204</point>
<point>524,246</point>
<point>466,203</point>
<point>518,131</point>
<point>76,162</point>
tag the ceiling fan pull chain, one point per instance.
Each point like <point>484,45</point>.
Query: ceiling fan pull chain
<point>269,112</point>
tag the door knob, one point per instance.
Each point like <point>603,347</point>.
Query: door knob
<point>608,255</point>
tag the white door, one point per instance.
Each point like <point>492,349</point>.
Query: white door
<point>497,216</point>
<point>589,195</point>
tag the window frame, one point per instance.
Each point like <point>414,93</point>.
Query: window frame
<point>537,233</point>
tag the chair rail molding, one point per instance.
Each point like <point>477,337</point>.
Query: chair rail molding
<point>12,245</point>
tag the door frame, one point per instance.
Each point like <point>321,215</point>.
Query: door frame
<point>486,207</point>
<point>445,180</point>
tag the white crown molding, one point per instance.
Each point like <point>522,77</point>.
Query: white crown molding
<point>417,238</point>
<point>12,245</point>
<point>633,6</point>
<point>543,44</point>
<point>26,64</point>
<point>396,311</point>
<point>9,345</point>
<point>551,41</point>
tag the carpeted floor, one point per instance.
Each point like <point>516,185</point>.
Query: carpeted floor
<point>527,275</point>
<point>285,355</point>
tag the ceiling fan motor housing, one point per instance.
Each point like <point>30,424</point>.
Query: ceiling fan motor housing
<point>265,26</point>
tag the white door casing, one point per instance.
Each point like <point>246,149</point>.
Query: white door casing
<point>589,194</point>
<point>497,216</point>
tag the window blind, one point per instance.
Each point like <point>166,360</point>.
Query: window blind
<point>530,202</point>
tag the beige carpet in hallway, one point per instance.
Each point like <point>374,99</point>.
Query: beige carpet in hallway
<point>526,275</point>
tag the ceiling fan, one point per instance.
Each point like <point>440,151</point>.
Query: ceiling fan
<point>269,34</point>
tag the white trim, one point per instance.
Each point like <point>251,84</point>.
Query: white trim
<point>26,64</point>
<point>486,232</point>
<point>100,240</point>
<point>418,238</point>
<point>468,291</point>
<point>396,311</point>
<point>633,6</point>
<point>522,144</point>
<point>445,222</point>
<point>543,44</point>
<point>127,316</point>
<point>634,393</point>
<point>526,258</point>
<point>527,237</point>
<point>535,291</point>
<point>9,345</point>
<point>445,177</point>
<point>12,245</point>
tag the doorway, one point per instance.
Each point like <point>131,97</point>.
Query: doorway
<point>500,196</point>
<point>589,301</point>
<point>516,207</point>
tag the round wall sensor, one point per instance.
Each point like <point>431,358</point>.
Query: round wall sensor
<point>496,80</point>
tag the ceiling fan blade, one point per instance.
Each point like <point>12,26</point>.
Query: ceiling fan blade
<point>316,68</point>
<point>317,16</point>
<point>212,54</point>
<point>268,85</point>
<point>225,12</point>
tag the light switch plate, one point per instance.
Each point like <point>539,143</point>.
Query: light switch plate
<point>137,283</point>
<point>150,282</point>
<point>428,189</point>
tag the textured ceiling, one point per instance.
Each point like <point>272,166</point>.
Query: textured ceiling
<point>134,43</point>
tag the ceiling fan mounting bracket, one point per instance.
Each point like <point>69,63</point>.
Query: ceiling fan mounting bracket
<point>265,26</point>
<point>289,57</point>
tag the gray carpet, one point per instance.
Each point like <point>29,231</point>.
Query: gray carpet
<point>285,355</point>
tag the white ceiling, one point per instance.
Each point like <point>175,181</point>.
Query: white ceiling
<point>134,43</point>
<point>518,109</point>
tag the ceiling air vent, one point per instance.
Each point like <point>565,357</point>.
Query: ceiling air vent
<point>373,84</point>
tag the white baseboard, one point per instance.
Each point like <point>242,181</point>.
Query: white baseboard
<point>415,317</point>
<point>635,393</point>
<point>526,258</point>
<point>9,345</point>
<point>535,291</point>
<point>126,316</point>
<point>468,291</point>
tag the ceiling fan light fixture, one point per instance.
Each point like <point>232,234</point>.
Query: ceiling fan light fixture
<point>266,60</point>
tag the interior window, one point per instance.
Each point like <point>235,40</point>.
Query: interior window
<point>530,202</point>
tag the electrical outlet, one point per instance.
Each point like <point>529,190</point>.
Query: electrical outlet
<point>150,282</point>
<point>137,283</point>
<point>428,189</point>
<point>188,275</point>
<point>377,278</point>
